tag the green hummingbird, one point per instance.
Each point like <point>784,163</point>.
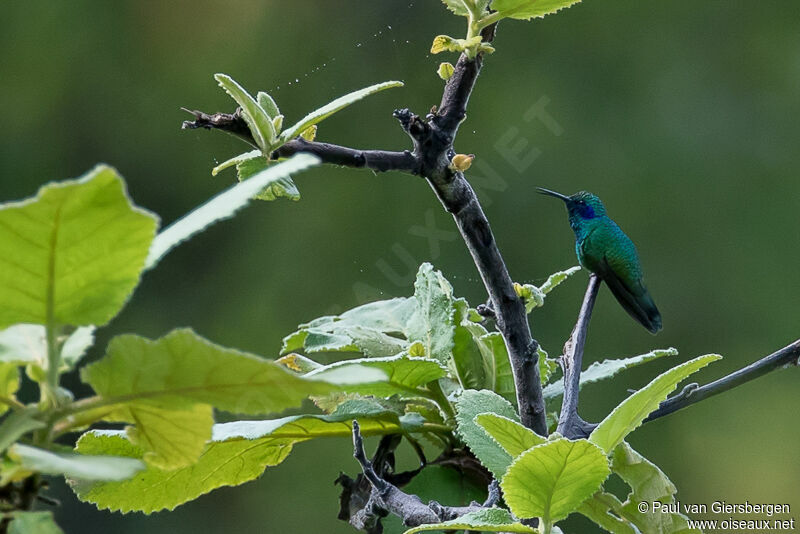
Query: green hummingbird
<point>604,249</point>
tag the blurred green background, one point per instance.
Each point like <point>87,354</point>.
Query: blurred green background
<point>682,116</point>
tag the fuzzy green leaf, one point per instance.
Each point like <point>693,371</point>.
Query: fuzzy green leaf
<point>223,206</point>
<point>606,369</point>
<point>487,450</point>
<point>503,383</point>
<point>268,104</point>
<point>327,110</point>
<point>403,374</point>
<point>94,467</point>
<point>467,363</point>
<point>73,254</point>
<point>628,415</point>
<point>550,480</point>
<point>459,7</point>
<point>282,187</point>
<point>432,323</point>
<point>259,122</point>
<point>76,345</point>
<point>298,363</point>
<point>555,279</point>
<point>509,434</point>
<point>366,329</point>
<point>488,520</point>
<point>237,453</point>
<point>547,365</point>
<point>604,509</point>
<point>33,523</point>
<point>25,344</point>
<point>22,344</point>
<point>647,484</point>
<point>9,384</point>
<point>236,160</point>
<point>528,9</point>
<point>17,424</point>
<point>445,70</point>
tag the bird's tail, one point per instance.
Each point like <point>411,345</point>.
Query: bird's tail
<point>638,303</point>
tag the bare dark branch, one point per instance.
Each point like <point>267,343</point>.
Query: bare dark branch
<point>692,393</point>
<point>376,160</point>
<point>788,355</point>
<point>389,497</point>
<point>570,423</point>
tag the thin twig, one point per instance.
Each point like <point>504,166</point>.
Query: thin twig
<point>409,508</point>
<point>692,393</point>
<point>788,355</point>
<point>376,160</point>
<point>570,423</point>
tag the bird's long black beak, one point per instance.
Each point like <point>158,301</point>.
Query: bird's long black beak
<point>544,191</point>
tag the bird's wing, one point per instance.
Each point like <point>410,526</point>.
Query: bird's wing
<point>617,264</point>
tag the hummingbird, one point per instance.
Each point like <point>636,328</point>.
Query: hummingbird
<point>604,249</point>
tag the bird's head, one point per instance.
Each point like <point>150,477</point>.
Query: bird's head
<point>582,206</point>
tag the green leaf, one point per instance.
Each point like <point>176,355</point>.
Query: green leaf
<point>364,329</point>
<point>459,7</point>
<point>555,279</point>
<point>648,484</point>
<point>298,363</point>
<point>432,323</point>
<point>282,187</point>
<point>26,344</point>
<point>488,520</point>
<point>503,383</point>
<point>550,480</point>
<point>167,387</point>
<point>9,384</point>
<point>547,366</point>
<point>182,368</point>
<point>23,343</point>
<point>422,325</point>
<point>223,206</point>
<point>487,450</point>
<point>403,374</point>
<point>94,467</point>
<point>17,424</point>
<point>509,434</point>
<point>238,452</point>
<point>528,9</point>
<point>76,345</point>
<point>467,363</point>
<point>445,70</point>
<point>73,254</point>
<point>606,369</point>
<point>33,523</point>
<point>268,104</point>
<point>629,414</point>
<point>236,160</point>
<point>327,110</point>
<point>257,119</point>
<point>603,508</point>
<point>534,296</point>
